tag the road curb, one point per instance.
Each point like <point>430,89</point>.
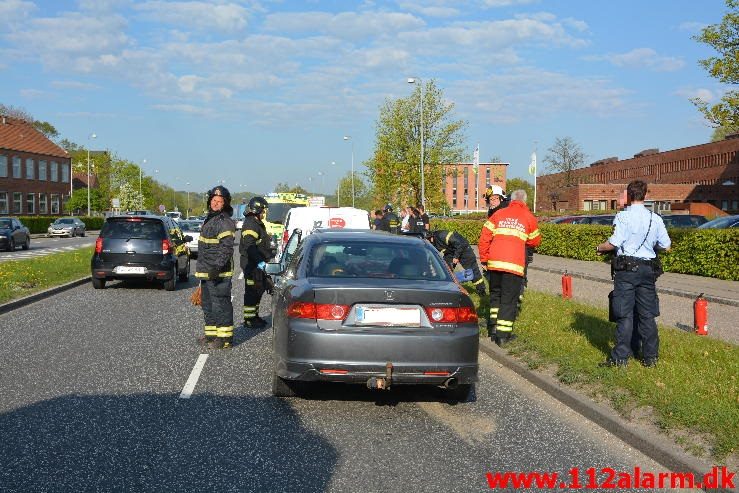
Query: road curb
<point>41,295</point>
<point>661,290</point>
<point>650,444</point>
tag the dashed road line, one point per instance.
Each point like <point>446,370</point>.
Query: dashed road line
<point>194,376</point>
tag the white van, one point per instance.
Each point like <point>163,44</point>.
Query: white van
<point>309,219</point>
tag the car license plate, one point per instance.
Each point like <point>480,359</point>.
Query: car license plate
<point>389,316</point>
<point>123,269</point>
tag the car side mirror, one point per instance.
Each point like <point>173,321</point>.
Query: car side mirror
<point>187,239</point>
<point>273,268</point>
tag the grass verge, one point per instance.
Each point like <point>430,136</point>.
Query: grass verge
<point>20,278</point>
<point>694,388</point>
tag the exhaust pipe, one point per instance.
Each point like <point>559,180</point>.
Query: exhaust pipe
<point>450,383</point>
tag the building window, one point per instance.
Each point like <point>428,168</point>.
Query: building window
<point>42,207</point>
<point>724,205</point>
<point>55,203</point>
<point>17,203</point>
<point>466,176</point>
<point>587,205</point>
<point>487,174</point>
<point>65,173</point>
<point>30,171</point>
<point>603,205</point>
<point>613,205</point>
<point>42,170</point>
<point>54,171</point>
<point>16,167</point>
<point>3,202</point>
<point>30,203</point>
<point>3,167</point>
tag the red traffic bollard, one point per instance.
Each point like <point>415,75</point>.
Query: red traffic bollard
<point>566,286</point>
<point>700,315</point>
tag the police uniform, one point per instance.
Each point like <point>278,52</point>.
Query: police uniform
<point>453,245</point>
<point>636,232</point>
<point>254,250</point>
<point>215,269</point>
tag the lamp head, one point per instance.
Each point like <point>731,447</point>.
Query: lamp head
<point>411,80</point>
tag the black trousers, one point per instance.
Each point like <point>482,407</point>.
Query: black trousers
<point>635,306</point>
<point>217,308</point>
<point>468,261</point>
<point>505,288</point>
<point>254,288</point>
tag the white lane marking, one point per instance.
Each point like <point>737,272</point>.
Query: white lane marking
<point>194,376</point>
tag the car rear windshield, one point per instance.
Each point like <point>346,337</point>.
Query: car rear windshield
<point>370,259</point>
<point>133,228</point>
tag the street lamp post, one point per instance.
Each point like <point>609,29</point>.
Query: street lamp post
<point>174,199</point>
<point>187,184</point>
<point>141,195</point>
<point>338,188</point>
<point>349,137</point>
<point>92,136</point>
<point>413,80</point>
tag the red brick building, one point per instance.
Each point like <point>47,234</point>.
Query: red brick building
<point>464,190</point>
<point>706,173</point>
<point>34,171</point>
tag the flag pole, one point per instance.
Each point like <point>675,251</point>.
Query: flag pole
<point>536,172</point>
<point>475,167</point>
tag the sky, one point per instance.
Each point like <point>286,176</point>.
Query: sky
<point>258,92</point>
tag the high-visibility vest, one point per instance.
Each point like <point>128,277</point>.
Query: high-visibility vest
<point>505,236</point>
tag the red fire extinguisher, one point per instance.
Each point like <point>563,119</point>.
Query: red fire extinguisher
<point>566,286</point>
<point>700,315</point>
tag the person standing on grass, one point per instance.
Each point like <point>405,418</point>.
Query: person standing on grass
<point>502,245</point>
<point>637,231</point>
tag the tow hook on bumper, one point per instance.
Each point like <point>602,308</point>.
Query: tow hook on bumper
<point>382,383</point>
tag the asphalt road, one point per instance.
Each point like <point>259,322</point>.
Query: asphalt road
<point>90,384</point>
<point>45,246</point>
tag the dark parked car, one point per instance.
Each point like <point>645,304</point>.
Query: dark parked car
<point>722,222</point>
<point>13,233</point>
<point>67,226</point>
<point>370,307</point>
<point>683,220</point>
<point>141,247</point>
<point>599,219</point>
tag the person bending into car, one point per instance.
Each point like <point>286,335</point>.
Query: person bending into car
<point>457,250</point>
<point>254,250</point>
<point>215,268</point>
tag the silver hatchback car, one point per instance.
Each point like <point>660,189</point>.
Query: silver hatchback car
<point>67,226</point>
<point>358,306</point>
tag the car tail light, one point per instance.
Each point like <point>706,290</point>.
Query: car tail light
<point>165,246</point>
<point>317,311</point>
<point>284,237</point>
<point>99,245</point>
<point>451,314</point>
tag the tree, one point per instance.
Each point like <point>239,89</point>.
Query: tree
<point>521,184</point>
<point>130,197</point>
<point>363,198</point>
<point>45,128</point>
<point>285,188</point>
<point>724,38</point>
<point>564,157</point>
<point>78,201</point>
<point>720,133</point>
<point>394,168</point>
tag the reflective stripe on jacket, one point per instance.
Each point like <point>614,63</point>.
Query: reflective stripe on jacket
<point>505,236</point>
<point>450,243</point>
<point>216,246</point>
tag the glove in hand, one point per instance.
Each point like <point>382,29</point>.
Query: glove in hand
<point>262,266</point>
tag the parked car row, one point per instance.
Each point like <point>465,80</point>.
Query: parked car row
<point>670,220</point>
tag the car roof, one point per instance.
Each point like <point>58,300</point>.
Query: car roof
<point>331,234</point>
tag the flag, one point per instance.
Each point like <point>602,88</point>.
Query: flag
<point>476,159</point>
<point>532,166</point>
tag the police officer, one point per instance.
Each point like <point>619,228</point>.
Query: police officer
<point>255,251</point>
<point>636,232</point>
<point>391,221</point>
<point>215,268</point>
<point>456,250</point>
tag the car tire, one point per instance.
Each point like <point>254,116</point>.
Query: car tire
<point>11,245</point>
<point>282,388</point>
<point>27,243</point>
<point>98,283</point>
<point>83,233</point>
<point>171,283</point>
<point>460,393</point>
<point>185,276</point>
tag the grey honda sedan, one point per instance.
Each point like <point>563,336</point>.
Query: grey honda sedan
<point>366,307</point>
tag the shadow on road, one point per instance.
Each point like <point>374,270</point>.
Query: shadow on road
<point>161,443</point>
<point>329,391</point>
<point>598,331</point>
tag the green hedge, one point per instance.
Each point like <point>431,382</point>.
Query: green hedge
<point>701,252</point>
<point>40,224</point>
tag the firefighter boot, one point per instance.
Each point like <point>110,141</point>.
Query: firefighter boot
<point>203,341</point>
<point>255,323</point>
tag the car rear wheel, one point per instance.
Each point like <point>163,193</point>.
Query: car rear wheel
<point>170,284</point>
<point>281,388</point>
<point>184,276</point>
<point>27,244</point>
<point>98,283</point>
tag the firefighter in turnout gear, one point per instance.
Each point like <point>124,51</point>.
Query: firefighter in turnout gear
<point>391,221</point>
<point>456,250</point>
<point>503,242</point>
<point>254,250</point>
<point>215,268</point>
